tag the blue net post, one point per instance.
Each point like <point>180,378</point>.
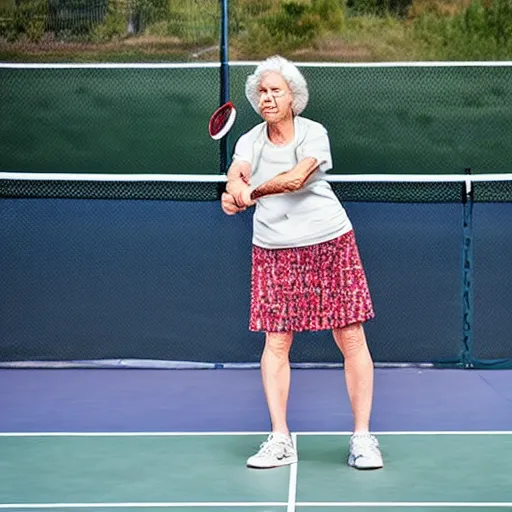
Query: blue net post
<point>467,276</point>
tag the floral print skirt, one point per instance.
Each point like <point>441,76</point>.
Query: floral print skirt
<point>309,288</point>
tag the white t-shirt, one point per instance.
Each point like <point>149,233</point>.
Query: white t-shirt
<point>308,216</point>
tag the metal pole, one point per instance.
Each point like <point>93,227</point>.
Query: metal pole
<point>224,77</point>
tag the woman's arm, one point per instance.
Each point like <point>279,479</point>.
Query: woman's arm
<point>288,181</point>
<point>239,179</point>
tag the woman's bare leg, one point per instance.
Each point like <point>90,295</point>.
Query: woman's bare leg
<point>275,373</point>
<point>351,341</point>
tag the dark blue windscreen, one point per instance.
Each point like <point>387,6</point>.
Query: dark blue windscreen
<point>492,281</point>
<point>102,279</point>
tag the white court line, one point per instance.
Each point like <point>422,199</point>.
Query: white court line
<point>318,504</point>
<point>127,434</point>
<point>292,486</point>
<point>416,433</point>
<point>404,504</point>
<point>256,433</point>
<point>24,506</point>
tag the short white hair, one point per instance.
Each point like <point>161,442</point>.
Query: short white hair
<point>294,78</point>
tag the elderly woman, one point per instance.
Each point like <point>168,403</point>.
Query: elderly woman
<point>306,270</point>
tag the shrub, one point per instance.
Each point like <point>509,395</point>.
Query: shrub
<point>379,7</point>
<point>478,31</point>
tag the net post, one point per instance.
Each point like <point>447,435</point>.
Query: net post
<point>224,78</point>
<point>467,273</point>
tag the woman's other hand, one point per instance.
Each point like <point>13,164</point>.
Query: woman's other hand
<point>229,205</point>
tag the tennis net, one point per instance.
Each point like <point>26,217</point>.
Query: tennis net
<point>374,188</point>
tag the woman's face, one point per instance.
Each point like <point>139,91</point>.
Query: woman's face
<point>275,103</point>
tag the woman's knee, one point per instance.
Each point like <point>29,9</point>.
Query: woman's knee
<point>279,343</point>
<point>350,339</point>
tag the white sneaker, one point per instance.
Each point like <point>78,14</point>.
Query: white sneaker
<point>276,451</point>
<point>364,452</point>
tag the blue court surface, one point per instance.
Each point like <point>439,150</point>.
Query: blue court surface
<point>127,439</point>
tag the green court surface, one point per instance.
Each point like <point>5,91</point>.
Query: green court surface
<point>201,471</point>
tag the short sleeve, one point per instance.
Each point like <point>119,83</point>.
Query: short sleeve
<point>317,145</point>
<point>243,149</point>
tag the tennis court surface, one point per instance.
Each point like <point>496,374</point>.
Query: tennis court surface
<point>78,439</point>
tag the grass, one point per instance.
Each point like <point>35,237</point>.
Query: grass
<point>145,49</point>
<point>6,5</point>
<point>365,38</point>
